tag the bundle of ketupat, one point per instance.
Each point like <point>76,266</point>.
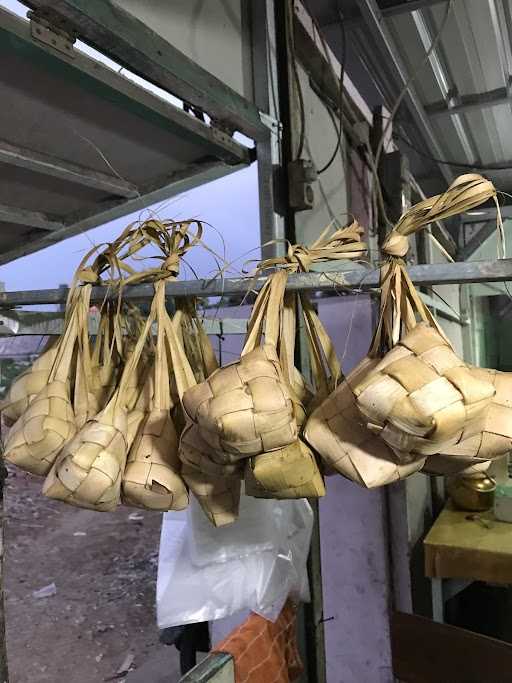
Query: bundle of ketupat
<point>411,397</point>
<point>128,449</point>
<point>105,421</point>
<point>246,418</point>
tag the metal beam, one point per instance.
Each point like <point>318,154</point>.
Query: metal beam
<point>32,219</point>
<point>23,323</point>
<point>352,17</point>
<point>379,37</point>
<point>481,215</point>
<point>465,103</point>
<point>178,182</point>
<point>355,278</point>
<point>108,84</point>
<point>120,35</point>
<point>411,6</point>
<point>65,170</point>
<point>322,66</point>
<point>488,228</point>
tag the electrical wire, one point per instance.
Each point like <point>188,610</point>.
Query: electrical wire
<point>411,80</point>
<point>375,158</point>
<point>329,163</point>
<point>451,162</point>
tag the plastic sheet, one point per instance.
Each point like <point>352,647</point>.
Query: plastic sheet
<point>207,573</point>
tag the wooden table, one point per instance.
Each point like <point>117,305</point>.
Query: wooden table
<point>470,546</point>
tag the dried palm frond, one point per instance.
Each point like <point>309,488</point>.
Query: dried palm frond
<point>89,471</point>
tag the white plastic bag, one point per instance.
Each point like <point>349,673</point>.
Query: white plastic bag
<point>207,573</point>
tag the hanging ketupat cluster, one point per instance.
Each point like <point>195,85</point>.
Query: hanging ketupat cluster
<point>412,403</point>
<point>143,414</point>
<point>99,419</point>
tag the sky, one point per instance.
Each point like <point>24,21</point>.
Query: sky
<point>229,205</point>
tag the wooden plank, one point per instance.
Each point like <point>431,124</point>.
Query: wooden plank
<point>460,545</point>
<point>425,651</point>
<point>65,170</point>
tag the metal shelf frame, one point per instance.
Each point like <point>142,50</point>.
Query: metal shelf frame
<point>360,278</point>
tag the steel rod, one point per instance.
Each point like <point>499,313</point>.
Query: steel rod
<point>356,278</point>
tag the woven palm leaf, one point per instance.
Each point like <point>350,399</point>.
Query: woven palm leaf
<point>338,432</point>
<point>491,435</point>
<point>48,424</point>
<point>216,486</point>
<point>215,483</point>
<point>245,408</point>
<point>254,408</point>
<point>411,397</point>
<point>151,478</point>
<point>89,469</point>
<point>27,385</point>
<point>290,472</point>
<point>97,372</point>
<point>421,395</point>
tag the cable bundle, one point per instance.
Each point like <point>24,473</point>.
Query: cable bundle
<point>411,397</point>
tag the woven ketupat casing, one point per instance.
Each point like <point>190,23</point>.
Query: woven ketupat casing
<point>48,424</point>
<point>152,478</point>
<point>339,434</point>
<point>88,471</point>
<point>244,408</point>
<point>289,472</point>
<point>491,435</point>
<point>26,386</point>
<point>216,486</point>
<point>421,396</point>
<point>40,433</point>
<point>450,465</point>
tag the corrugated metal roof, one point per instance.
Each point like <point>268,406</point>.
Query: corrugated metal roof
<point>464,88</point>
